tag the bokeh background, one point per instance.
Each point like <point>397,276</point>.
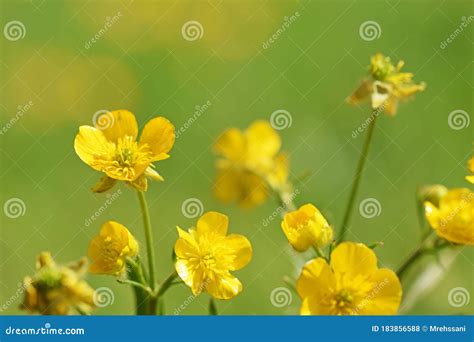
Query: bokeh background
<point>144,63</point>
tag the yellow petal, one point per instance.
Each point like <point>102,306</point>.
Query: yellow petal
<point>109,249</point>
<point>316,276</point>
<point>186,246</point>
<point>353,259</point>
<point>223,286</point>
<point>314,305</point>
<point>186,268</point>
<point>92,147</point>
<point>262,140</point>
<point>159,135</point>
<point>432,215</point>
<point>361,93</point>
<point>278,177</point>
<point>150,172</point>
<point>470,179</point>
<point>230,144</point>
<point>199,282</point>
<point>212,222</point>
<point>245,187</point>
<point>391,105</point>
<point>104,184</point>
<point>235,251</point>
<point>122,123</point>
<point>384,297</point>
<point>141,183</point>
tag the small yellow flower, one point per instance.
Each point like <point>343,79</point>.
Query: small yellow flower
<point>251,164</point>
<point>306,227</point>
<point>57,289</point>
<point>386,86</point>
<point>351,285</point>
<point>470,165</point>
<point>114,150</point>
<point>206,255</point>
<point>110,248</point>
<point>453,218</point>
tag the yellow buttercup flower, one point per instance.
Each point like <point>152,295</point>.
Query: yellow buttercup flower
<point>57,289</point>
<point>114,150</point>
<point>110,248</point>
<point>206,255</point>
<point>386,86</point>
<point>470,165</point>
<point>306,227</point>
<point>453,218</point>
<point>251,164</point>
<point>351,285</point>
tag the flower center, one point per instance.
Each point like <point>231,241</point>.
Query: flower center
<point>126,152</point>
<point>126,155</point>
<point>208,261</point>
<point>343,298</point>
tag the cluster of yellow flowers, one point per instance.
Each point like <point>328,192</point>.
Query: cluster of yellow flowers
<point>343,278</point>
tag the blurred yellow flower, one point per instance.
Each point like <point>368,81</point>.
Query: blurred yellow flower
<point>111,147</point>
<point>470,165</point>
<point>387,85</point>
<point>57,289</point>
<point>351,285</point>
<point>110,248</point>
<point>453,218</point>
<point>251,164</point>
<point>206,255</point>
<point>306,227</point>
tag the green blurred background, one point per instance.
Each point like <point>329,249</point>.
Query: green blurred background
<point>143,63</point>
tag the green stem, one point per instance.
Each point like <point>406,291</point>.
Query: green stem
<point>166,284</point>
<point>152,301</point>
<point>149,239</point>
<point>135,274</point>
<point>414,256</point>
<point>319,252</point>
<point>357,178</point>
<point>212,307</point>
<point>136,284</point>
